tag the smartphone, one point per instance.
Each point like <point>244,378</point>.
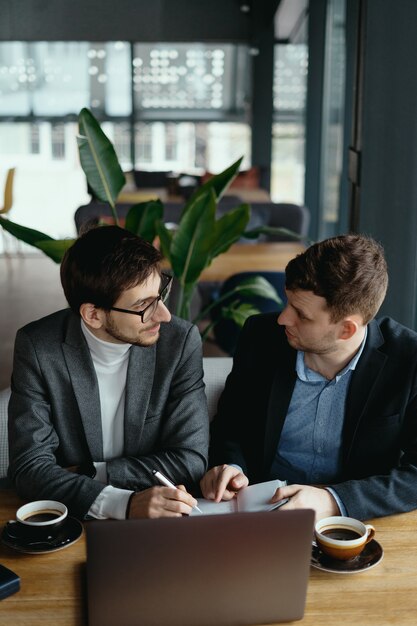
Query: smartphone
<point>9,582</point>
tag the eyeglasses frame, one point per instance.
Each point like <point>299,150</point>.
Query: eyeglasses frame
<point>161,297</point>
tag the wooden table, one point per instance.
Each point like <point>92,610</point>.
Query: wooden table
<point>242,257</point>
<point>53,587</point>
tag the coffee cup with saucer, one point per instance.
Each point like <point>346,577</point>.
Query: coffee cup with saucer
<point>345,545</point>
<point>40,527</point>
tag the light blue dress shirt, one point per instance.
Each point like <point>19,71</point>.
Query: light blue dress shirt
<point>310,446</point>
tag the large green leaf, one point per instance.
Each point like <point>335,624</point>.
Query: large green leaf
<point>218,183</point>
<point>165,239</point>
<point>256,286</point>
<point>142,218</point>
<point>56,248</point>
<point>239,312</point>
<point>192,242</point>
<point>28,235</point>
<point>229,228</point>
<point>98,160</point>
<point>252,286</point>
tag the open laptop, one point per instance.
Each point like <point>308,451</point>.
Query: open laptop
<point>244,568</point>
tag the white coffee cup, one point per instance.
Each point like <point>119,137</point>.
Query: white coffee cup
<point>42,513</point>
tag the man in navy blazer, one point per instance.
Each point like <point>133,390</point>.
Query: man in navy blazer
<point>109,390</point>
<point>324,396</point>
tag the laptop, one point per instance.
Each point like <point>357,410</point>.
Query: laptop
<point>243,568</point>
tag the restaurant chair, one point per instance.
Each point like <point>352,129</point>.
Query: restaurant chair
<point>216,370</point>
<point>294,217</point>
<point>226,331</point>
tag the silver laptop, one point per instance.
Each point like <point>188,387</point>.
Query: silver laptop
<point>244,568</point>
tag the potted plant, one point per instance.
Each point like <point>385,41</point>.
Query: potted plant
<point>198,239</point>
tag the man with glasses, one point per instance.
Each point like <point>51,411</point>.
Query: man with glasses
<point>108,391</point>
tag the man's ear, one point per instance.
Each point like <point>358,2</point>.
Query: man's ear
<point>91,315</point>
<point>349,327</point>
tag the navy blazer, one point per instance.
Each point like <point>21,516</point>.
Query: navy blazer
<point>379,468</point>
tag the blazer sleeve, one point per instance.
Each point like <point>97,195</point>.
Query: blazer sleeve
<point>393,490</point>
<point>34,442</point>
<point>380,474</point>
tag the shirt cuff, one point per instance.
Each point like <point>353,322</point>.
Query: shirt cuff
<point>110,503</point>
<point>101,472</point>
<point>339,502</point>
<point>237,467</point>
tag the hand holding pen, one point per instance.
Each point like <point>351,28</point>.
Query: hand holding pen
<point>168,483</point>
<point>160,502</point>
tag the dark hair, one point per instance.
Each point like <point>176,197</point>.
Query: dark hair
<point>104,262</point>
<point>349,271</point>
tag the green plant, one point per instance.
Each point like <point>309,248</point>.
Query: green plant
<point>198,239</point>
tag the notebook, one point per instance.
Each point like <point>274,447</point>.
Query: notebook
<point>246,568</point>
<point>255,497</point>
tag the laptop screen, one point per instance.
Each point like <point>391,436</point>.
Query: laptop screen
<point>244,568</point>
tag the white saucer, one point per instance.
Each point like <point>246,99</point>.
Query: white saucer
<point>371,555</point>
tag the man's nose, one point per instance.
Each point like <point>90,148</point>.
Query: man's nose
<point>161,313</point>
<point>284,318</point>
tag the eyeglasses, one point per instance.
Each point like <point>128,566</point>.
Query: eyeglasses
<point>148,311</point>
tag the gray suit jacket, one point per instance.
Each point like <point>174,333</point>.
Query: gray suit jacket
<point>55,421</point>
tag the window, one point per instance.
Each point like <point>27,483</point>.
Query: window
<point>290,88</point>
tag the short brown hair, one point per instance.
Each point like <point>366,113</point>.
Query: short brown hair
<point>104,262</point>
<point>349,271</point>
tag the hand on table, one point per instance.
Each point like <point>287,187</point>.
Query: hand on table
<point>222,482</point>
<point>307,497</point>
<point>161,502</point>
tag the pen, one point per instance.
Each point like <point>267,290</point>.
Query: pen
<point>165,481</point>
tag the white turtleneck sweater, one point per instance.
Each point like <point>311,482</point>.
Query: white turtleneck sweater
<point>110,363</point>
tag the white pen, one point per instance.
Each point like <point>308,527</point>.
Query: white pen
<point>165,481</point>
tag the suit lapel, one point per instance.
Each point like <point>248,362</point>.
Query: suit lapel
<point>85,385</point>
<point>281,390</point>
<point>140,375</point>
<point>363,383</point>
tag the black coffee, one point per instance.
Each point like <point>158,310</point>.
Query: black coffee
<point>42,516</point>
<point>341,534</point>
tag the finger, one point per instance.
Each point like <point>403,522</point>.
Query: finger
<point>208,484</point>
<point>229,495</point>
<point>285,492</point>
<point>239,481</point>
<point>178,507</point>
<point>224,478</point>
<point>181,495</point>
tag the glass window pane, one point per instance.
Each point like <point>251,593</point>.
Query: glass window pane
<point>110,78</point>
<point>333,119</point>
<point>191,147</point>
<point>288,141</point>
<point>60,78</point>
<point>14,77</point>
<point>189,77</point>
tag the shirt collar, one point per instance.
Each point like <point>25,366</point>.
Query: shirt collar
<point>306,374</point>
